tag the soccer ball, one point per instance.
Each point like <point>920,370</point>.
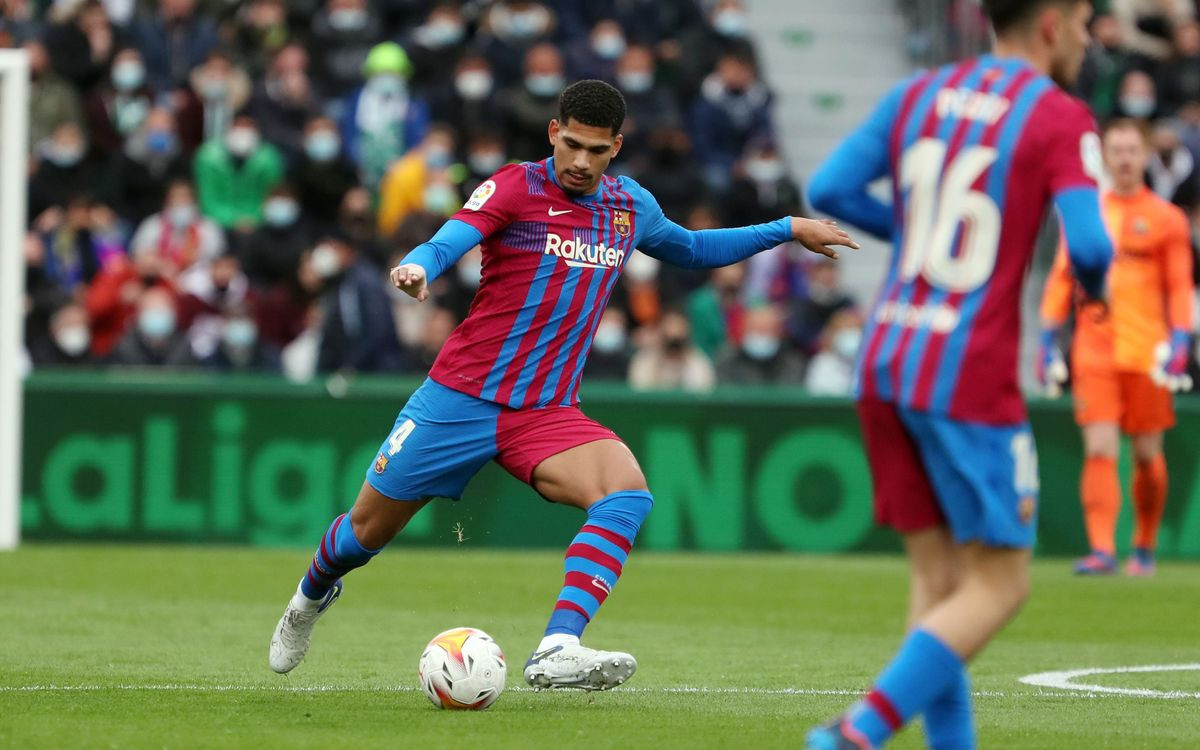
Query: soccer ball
<point>462,669</point>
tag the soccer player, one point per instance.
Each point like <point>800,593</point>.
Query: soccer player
<point>555,235</point>
<point>975,152</point>
<point>1126,359</point>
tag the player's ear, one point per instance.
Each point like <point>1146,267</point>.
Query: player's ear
<point>552,131</point>
<point>617,144</point>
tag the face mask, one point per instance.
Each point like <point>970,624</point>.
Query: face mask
<point>609,339</point>
<point>441,199</point>
<point>281,212</point>
<point>470,273</point>
<point>73,340</point>
<point>241,141</point>
<point>846,341</point>
<point>438,158</point>
<point>473,85</point>
<point>240,333</point>
<point>635,82</point>
<point>325,261</point>
<point>181,215</point>
<point>348,19</point>
<point>544,84</point>
<point>441,34</point>
<point>760,346</point>
<point>525,24</point>
<point>641,267</point>
<point>485,162</point>
<point>730,23</point>
<point>160,142</point>
<point>764,170</point>
<point>1138,106</point>
<point>322,146</point>
<point>214,88</point>
<point>387,84</point>
<point>128,76</point>
<point>63,156</point>
<point>156,322</point>
<point>609,46</point>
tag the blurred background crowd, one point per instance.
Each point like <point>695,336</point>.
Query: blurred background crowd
<point>218,184</point>
<point>223,185</point>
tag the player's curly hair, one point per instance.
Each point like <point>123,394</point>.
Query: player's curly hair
<point>594,103</point>
<point>1008,14</point>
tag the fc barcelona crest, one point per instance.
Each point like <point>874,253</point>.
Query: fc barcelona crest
<point>381,464</point>
<point>621,223</point>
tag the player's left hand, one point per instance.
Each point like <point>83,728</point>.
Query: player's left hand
<point>410,279</point>
<point>1170,363</point>
<point>818,234</point>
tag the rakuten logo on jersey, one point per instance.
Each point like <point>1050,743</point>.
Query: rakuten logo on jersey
<point>582,255</point>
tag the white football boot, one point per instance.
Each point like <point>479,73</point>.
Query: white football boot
<point>571,665</point>
<point>289,642</point>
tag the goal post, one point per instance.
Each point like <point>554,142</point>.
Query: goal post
<point>14,135</point>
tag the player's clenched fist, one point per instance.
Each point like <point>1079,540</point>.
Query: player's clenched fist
<point>818,234</point>
<point>410,279</point>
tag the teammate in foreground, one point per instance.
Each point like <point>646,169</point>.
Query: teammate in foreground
<point>975,152</point>
<point>1128,358</point>
<point>555,236</point>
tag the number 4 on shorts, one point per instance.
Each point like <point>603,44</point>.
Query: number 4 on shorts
<point>399,435</point>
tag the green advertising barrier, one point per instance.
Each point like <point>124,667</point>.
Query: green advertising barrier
<point>262,461</point>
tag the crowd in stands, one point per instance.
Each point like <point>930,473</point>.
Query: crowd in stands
<point>222,185</point>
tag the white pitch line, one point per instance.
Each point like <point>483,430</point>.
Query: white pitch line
<point>1065,680</point>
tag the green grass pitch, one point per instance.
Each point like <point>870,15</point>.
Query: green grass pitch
<point>166,648</point>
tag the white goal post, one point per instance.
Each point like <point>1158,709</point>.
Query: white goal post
<point>14,135</point>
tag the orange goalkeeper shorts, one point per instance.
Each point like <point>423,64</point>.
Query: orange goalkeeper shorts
<point>1129,399</point>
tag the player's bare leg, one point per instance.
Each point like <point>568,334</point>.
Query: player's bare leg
<point>935,569</point>
<point>1149,500</point>
<point>352,540</point>
<point>1100,494</point>
<point>603,478</point>
<point>995,584</point>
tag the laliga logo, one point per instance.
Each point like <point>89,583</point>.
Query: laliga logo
<point>582,255</point>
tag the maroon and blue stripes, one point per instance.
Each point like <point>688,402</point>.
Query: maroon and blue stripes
<point>338,554</point>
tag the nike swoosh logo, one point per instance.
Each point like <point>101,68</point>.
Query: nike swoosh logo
<point>535,658</point>
<point>552,212</point>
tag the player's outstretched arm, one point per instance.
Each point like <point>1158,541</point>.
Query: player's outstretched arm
<point>712,248</point>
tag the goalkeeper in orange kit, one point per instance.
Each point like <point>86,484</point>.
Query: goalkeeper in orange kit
<point>1128,357</point>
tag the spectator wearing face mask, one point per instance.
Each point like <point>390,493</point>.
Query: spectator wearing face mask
<point>810,313</point>
<point>733,109</point>
<point>117,107</point>
<point>597,58</point>
<point>343,35</point>
<point>234,175</point>
<point>52,100</point>
<point>407,185</point>
<point>178,234</point>
<point>206,292</point>
<point>81,42</point>
<point>322,175</point>
<point>174,40</point>
<point>648,106</point>
<point>284,102</point>
<point>724,34</point>
<point>1138,97</point>
<point>1105,65</point>
<point>270,253</point>
<point>763,189</point>
<point>434,48</point>
<point>155,339</point>
<point>670,361</point>
<point>485,155</point>
<point>221,90</point>
<point>358,332</point>
<point>761,356</point>
<point>508,30</point>
<point>151,159</point>
<point>64,168</point>
<point>1171,172</point>
<point>470,101</point>
<point>112,297</point>
<point>610,355</point>
<point>382,119</point>
<point>534,102</point>
<point>68,342</point>
<point>831,372</point>
<point>240,348</point>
